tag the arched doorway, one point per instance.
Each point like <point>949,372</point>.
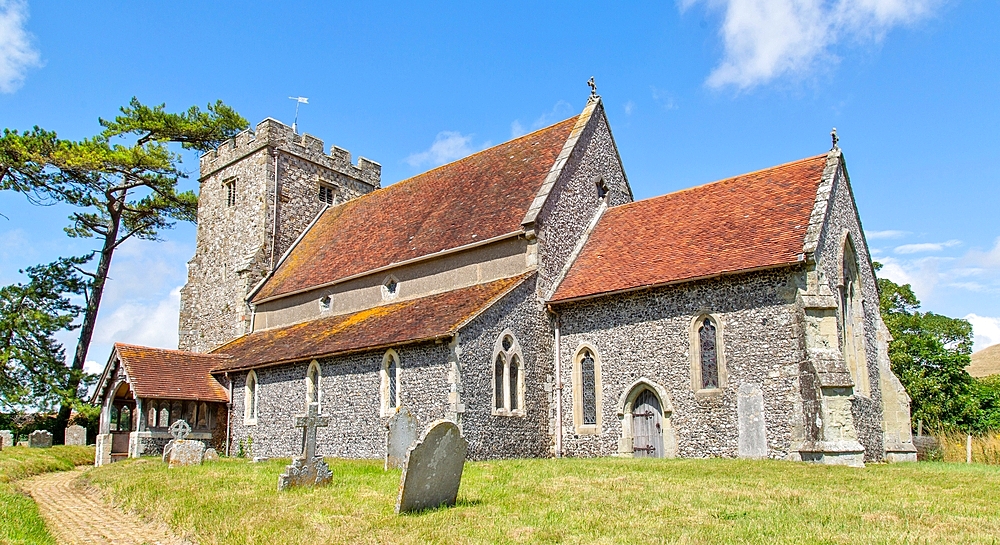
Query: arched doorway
<point>122,420</point>
<point>645,412</point>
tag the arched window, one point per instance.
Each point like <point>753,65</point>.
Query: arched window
<point>151,417</point>
<point>250,399</point>
<point>852,321</point>
<point>114,418</point>
<point>508,375</point>
<point>708,355</point>
<point>312,384</point>
<point>164,416</point>
<point>203,416</point>
<point>587,390</point>
<point>390,383</point>
<point>125,424</point>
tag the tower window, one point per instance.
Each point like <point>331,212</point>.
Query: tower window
<point>230,192</point>
<point>326,193</point>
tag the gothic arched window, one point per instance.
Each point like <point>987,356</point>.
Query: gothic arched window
<point>164,416</point>
<point>709,350</point>
<point>588,387</point>
<point>390,383</point>
<point>250,399</point>
<point>313,384</point>
<point>508,375</point>
<point>587,390</point>
<point>852,321</point>
<point>708,357</point>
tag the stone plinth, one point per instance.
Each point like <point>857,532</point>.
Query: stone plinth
<point>433,469</point>
<point>102,454</point>
<point>40,439</point>
<point>301,472</point>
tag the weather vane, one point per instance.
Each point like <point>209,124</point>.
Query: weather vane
<point>593,89</point>
<point>298,100</point>
<point>836,139</point>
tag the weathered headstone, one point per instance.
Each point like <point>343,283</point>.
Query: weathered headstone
<point>76,435</point>
<point>6,438</point>
<point>22,443</point>
<point>210,455</point>
<point>750,416</point>
<point>308,469</point>
<point>39,439</point>
<point>402,433</point>
<point>181,451</point>
<point>433,469</point>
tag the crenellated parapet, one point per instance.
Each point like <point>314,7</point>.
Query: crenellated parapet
<point>276,135</point>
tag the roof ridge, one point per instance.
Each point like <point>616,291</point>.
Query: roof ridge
<point>719,181</point>
<point>175,350</point>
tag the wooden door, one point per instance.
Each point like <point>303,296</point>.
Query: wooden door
<point>647,426</point>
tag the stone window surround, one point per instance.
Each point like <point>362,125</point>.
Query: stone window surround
<point>578,425</point>
<point>720,355</point>
<point>229,185</point>
<point>386,294</point>
<point>251,406</point>
<point>391,357</point>
<point>508,355</point>
<point>326,303</point>
<point>314,386</point>
<point>625,408</point>
<point>859,370</point>
<point>330,192</point>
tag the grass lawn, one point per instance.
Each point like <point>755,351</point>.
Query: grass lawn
<point>19,519</point>
<point>605,500</point>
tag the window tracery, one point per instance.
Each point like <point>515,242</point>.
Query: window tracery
<point>508,375</point>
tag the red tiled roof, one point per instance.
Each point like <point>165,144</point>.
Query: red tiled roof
<point>415,320</point>
<point>482,196</point>
<point>753,221</point>
<point>171,374</point>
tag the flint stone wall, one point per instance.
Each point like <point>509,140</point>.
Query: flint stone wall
<point>842,216</point>
<point>647,335</point>
<point>349,395</point>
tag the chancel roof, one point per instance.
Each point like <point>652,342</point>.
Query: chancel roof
<point>171,374</point>
<point>480,197</point>
<point>434,317</point>
<point>753,221</point>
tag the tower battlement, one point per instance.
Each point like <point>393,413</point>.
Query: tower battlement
<point>275,134</point>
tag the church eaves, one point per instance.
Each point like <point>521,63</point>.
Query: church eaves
<point>171,374</point>
<point>480,197</point>
<point>749,222</point>
<point>428,318</point>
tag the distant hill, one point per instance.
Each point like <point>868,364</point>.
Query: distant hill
<point>986,362</point>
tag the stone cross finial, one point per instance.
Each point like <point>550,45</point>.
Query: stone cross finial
<point>836,139</point>
<point>180,430</point>
<point>593,89</point>
<point>309,422</point>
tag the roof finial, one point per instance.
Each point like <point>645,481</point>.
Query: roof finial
<point>593,89</point>
<point>833,135</point>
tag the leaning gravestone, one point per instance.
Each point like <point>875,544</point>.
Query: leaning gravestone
<point>308,469</point>
<point>40,439</point>
<point>181,451</point>
<point>750,417</point>
<point>76,435</point>
<point>6,438</point>
<point>433,469</point>
<point>402,433</point>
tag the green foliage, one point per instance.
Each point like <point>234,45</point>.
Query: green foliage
<point>122,183</point>
<point>244,449</point>
<point>33,369</point>
<point>929,353</point>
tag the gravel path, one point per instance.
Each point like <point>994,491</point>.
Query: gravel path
<point>76,516</point>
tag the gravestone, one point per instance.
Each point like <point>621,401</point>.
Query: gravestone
<point>308,469</point>
<point>40,439</point>
<point>76,435</point>
<point>210,455</point>
<point>433,469</point>
<point>6,438</point>
<point>22,443</point>
<point>181,451</point>
<point>750,415</point>
<point>402,433</point>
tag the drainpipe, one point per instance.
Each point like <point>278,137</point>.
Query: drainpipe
<point>274,210</point>
<point>559,387</point>
<point>229,413</point>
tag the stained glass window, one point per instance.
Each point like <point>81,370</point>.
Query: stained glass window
<point>589,387</point>
<point>709,355</point>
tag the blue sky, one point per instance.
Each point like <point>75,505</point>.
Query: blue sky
<point>696,90</point>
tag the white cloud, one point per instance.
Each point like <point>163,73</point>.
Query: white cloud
<point>665,99</point>
<point>448,146</point>
<point>17,54</point>
<point>144,323</point>
<point>516,129</point>
<point>925,247</point>
<point>873,235</point>
<point>629,106</point>
<point>767,39</point>
<point>985,330</point>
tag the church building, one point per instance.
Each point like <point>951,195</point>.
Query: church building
<point>522,293</point>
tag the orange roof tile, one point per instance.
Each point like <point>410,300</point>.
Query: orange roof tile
<point>415,320</point>
<point>171,374</point>
<point>482,196</point>
<point>752,221</point>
